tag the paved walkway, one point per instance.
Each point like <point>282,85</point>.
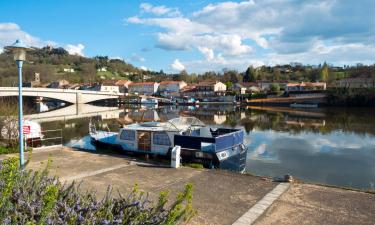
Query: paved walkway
<point>220,197</point>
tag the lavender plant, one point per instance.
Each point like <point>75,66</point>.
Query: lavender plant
<point>32,198</point>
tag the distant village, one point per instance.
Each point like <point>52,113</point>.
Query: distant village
<point>206,91</point>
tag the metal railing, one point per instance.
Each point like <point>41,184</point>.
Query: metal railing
<point>48,138</point>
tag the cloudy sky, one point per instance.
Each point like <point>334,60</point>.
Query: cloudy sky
<point>198,35</point>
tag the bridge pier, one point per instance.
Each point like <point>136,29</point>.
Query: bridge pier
<point>79,98</point>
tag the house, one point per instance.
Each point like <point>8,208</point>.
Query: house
<point>169,87</point>
<point>305,86</point>
<point>266,85</point>
<point>247,87</point>
<point>188,91</point>
<point>211,88</point>
<point>68,70</point>
<point>107,86</point>
<point>58,84</point>
<point>358,82</point>
<point>102,69</point>
<point>123,85</point>
<point>146,88</point>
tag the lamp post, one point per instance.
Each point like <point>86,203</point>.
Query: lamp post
<point>19,50</point>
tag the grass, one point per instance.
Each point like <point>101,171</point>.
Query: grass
<point>10,150</point>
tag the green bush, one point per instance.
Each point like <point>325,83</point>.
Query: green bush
<point>28,197</point>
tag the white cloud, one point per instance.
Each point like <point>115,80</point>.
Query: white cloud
<point>158,10</point>
<point>177,65</point>
<point>207,52</point>
<point>270,31</point>
<point>10,32</point>
<point>75,49</point>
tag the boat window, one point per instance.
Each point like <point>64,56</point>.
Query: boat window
<point>161,138</point>
<point>128,135</point>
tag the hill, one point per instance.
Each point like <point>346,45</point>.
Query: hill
<point>56,63</point>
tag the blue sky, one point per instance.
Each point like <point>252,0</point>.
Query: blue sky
<point>198,35</point>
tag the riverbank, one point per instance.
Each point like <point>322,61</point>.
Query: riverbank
<point>220,197</point>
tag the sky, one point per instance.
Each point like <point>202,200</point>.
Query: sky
<point>199,35</point>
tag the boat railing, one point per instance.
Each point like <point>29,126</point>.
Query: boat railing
<point>218,143</point>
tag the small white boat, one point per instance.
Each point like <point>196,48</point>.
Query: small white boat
<point>198,142</point>
<point>151,101</point>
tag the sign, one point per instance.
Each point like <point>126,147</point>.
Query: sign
<point>26,129</point>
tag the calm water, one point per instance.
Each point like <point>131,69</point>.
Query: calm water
<point>330,146</point>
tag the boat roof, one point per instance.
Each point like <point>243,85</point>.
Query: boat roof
<point>176,124</point>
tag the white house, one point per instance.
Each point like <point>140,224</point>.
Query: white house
<point>171,86</point>
<point>108,86</point>
<point>102,69</point>
<point>306,86</point>
<point>211,88</point>
<point>68,70</point>
<point>146,88</point>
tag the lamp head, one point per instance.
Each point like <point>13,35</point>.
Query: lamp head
<point>18,49</point>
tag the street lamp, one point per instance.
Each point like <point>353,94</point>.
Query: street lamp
<point>19,49</point>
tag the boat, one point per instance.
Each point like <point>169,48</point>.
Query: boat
<point>187,101</point>
<point>198,143</point>
<point>149,101</point>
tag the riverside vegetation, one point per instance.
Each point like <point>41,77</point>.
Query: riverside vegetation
<point>31,198</point>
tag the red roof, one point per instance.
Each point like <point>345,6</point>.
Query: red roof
<point>142,83</point>
<point>122,82</point>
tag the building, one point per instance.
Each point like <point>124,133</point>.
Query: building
<point>211,88</point>
<point>58,84</point>
<point>266,85</point>
<point>145,88</point>
<point>123,85</point>
<point>102,69</point>
<point>305,86</point>
<point>247,87</point>
<point>171,87</point>
<point>358,82</point>
<point>108,86</point>
<point>188,91</point>
<point>68,70</point>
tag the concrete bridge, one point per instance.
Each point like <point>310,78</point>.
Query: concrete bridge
<point>66,95</point>
<point>75,112</point>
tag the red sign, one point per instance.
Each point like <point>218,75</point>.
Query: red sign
<point>26,129</point>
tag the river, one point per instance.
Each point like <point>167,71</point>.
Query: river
<point>334,146</point>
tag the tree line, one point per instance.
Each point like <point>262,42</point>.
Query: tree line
<point>50,63</point>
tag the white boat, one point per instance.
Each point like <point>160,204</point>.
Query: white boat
<point>151,101</point>
<point>198,142</point>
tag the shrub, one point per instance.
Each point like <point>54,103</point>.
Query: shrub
<point>28,197</point>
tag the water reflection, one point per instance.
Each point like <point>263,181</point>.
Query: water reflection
<point>331,146</point>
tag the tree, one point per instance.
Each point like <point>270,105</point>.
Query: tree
<point>276,74</point>
<point>232,76</point>
<point>229,85</point>
<point>250,75</point>
<point>275,87</point>
<point>324,73</point>
<point>88,72</point>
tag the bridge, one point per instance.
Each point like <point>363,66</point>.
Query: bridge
<point>76,112</point>
<point>66,95</point>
